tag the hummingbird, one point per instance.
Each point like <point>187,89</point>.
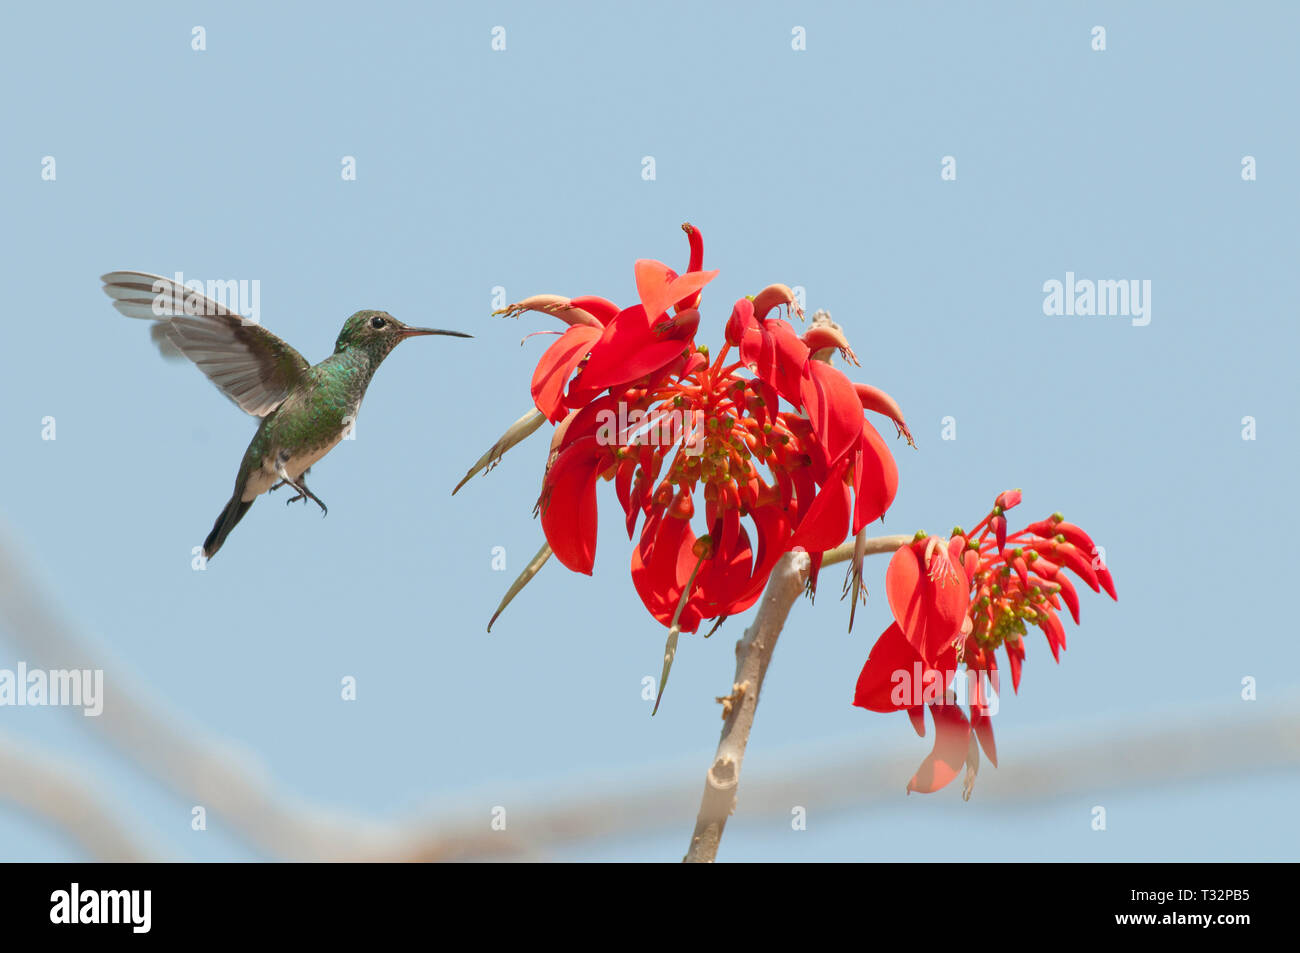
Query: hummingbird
<point>305,409</point>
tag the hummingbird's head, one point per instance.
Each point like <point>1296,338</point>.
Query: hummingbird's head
<point>379,332</point>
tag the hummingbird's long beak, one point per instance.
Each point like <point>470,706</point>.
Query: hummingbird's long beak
<point>410,332</point>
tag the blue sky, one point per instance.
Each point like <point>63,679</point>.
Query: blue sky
<point>522,169</point>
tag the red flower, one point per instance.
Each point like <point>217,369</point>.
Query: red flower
<point>929,593</point>
<point>956,601</point>
<point>682,436</point>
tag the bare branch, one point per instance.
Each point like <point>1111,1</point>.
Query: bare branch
<point>880,544</point>
<point>753,655</point>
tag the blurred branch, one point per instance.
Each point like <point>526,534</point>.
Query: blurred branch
<point>847,779</point>
<point>211,773</point>
<point>58,794</point>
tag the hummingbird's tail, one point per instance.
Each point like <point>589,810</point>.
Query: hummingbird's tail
<point>232,514</point>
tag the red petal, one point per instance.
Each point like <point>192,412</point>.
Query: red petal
<point>983,728</point>
<point>1055,633</point>
<point>1107,583</point>
<point>1074,534</point>
<point>1078,563</point>
<point>726,540</point>
<point>591,420</point>
<point>741,320</point>
<point>1045,528</point>
<point>930,611</point>
<point>602,309</point>
<point>805,491</point>
<point>659,286</point>
<point>774,532</point>
<point>875,399</point>
<point>1070,596</point>
<point>569,504</point>
<point>696,241</point>
<point>886,682</point>
<point>917,715</point>
<point>628,350</point>
<point>661,564</point>
<point>773,296</point>
<point>825,523</point>
<point>623,488</point>
<point>790,355</point>
<point>1016,658</point>
<point>725,576</point>
<point>833,408</point>
<point>951,735</point>
<point>556,366</point>
<point>875,478</point>
<point>814,570</point>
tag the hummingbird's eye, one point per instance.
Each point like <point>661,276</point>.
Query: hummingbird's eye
<point>377,322</point>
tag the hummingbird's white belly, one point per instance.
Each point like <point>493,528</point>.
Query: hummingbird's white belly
<point>269,474</point>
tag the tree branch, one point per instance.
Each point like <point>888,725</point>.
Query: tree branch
<point>753,654</point>
<point>871,547</point>
<point>59,793</point>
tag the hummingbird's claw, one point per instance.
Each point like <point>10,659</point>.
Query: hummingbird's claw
<point>304,494</point>
<point>308,495</point>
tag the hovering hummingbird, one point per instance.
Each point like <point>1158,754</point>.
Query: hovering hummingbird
<point>305,409</point>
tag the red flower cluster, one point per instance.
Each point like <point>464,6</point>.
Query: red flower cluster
<point>636,401</point>
<point>957,601</point>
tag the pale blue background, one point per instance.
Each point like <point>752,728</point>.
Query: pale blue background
<point>523,169</point>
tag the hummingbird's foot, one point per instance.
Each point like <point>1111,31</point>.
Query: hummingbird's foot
<point>301,487</point>
<point>305,494</point>
<point>292,499</point>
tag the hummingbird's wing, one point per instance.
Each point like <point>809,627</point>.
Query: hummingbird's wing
<point>250,365</point>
